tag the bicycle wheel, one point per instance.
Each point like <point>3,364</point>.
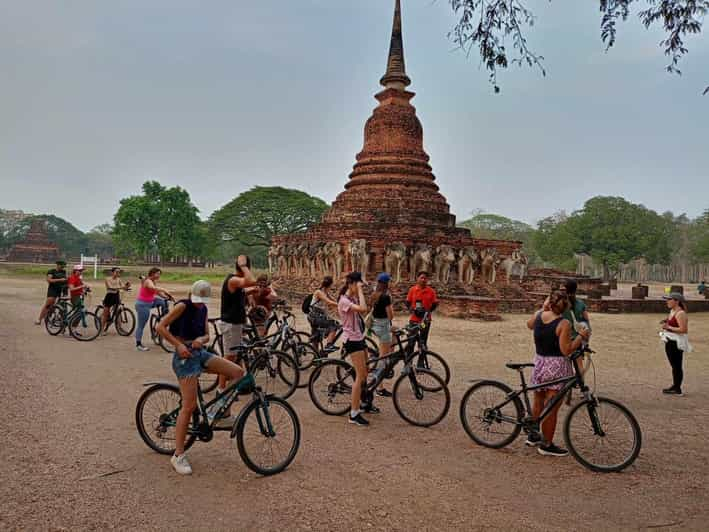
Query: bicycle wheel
<point>268,435</point>
<point>276,373</point>
<point>125,321</point>
<point>54,321</point>
<point>602,435</point>
<point>304,356</point>
<point>330,387</point>
<point>153,323</point>
<point>421,397</point>
<point>99,312</point>
<point>433,362</point>
<point>156,415</point>
<point>208,381</point>
<point>488,416</point>
<point>85,326</point>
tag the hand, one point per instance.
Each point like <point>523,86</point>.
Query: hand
<point>584,333</point>
<point>665,327</point>
<point>183,352</point>
<point>241,261</point>
<point>197,344</point>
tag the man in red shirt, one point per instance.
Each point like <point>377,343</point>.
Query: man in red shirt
<point>420,300</point>
<point>76,285</point>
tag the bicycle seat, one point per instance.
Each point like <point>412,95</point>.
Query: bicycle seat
<point>520,365</point>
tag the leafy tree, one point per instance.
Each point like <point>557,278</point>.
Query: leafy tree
<point>489,24</point>
<point>100,241</point>
<point>556,240</point>
<point>161,220</point>
<point>71,241</point>
<point>699,238</point>
<point>250,220</point>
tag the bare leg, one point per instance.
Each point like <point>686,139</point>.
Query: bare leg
<point>331,337</point>
<point>359,361</point>
<point>188,390</point>
<point>104,318</point>
<point>549,424</point>
<point>45,308</point>
<point>384,350</point>
<point>226,368</point>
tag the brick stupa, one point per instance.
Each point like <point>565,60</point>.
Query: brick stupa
<point>391,195</point>
<point>36,246</point>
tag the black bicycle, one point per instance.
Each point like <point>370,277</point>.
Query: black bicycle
<point>267,429</point>
<point>601,434</point>
<point>119,315</point>
<point>155,318</point>
<point>421,397</point>
<point>82,324</point>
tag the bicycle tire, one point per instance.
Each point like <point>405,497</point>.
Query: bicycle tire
<point>55,320</point>
<point>153,324</point>
<point>424,359</point>
<point>415,384</point>
<point>124,321</point>
<point>592,408</point>
<point>487,416</point>
<point>168,390</point>
<point>269,376</point>
<point>80,326</point>
<point>208,381</point>
<point>334,378</point>
<point>252,413</point>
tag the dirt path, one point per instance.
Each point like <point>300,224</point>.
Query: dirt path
<point>68,408</point>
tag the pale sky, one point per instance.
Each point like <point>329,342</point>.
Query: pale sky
<point>98,96</point>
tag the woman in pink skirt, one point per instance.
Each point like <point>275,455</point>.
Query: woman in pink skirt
<point>552,339</point>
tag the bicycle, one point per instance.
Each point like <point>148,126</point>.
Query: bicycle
<point>119,315</point>
<point>499,405</point>
<point>155,317</point>
<point>82,324</point>
<point>330,386</point>
<point>266,425</point>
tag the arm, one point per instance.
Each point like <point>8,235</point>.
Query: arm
<point>586,318</point>
<point>273,296</point>
<point>362,307</point>
<point>164,331</point>
<point>390,313</point>
<point>568,346</point>
<point>530,321</point>
<point>322,296</point>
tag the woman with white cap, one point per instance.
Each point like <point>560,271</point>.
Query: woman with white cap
<point>186,328</point>
<point>674,334</point>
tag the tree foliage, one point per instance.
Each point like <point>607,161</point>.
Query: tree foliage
<point>495,226</point>
<point>699,238</point>
<point>71,241</point>
<point>160,221</point>
<point>489,25</point>
<point>251,219</point>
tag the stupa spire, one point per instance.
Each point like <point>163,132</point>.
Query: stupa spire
<point>395,77</point>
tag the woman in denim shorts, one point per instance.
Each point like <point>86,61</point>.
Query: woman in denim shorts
<point>382,316</point>
<point>186,327</point>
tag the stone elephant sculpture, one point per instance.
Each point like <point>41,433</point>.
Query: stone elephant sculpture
<point>394,258</point>
<point>301,259</point>
<point>516,264</point>
<point>334,259</point>
<point>444,259</point>
<point>488,265</point>
<point>315,258</point>
<point>274,251</point>
<point>468,263</point>
<point>359,258</point>
<point>420,260</point>
<point>283,259</point>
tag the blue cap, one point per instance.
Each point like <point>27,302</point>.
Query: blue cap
<point>383,277</point>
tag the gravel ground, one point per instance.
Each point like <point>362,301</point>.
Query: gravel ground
<point>69,407</point>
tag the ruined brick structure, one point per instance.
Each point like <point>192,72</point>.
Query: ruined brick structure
<point>36,246</point>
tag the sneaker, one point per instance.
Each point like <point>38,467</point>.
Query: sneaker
<point>384,393</point>
<point>672,391</point>
<point>534,439</point>
<point>181,465</point>
<point>330,348</point>
<point>370,409</point>
<point>141,347</point>
<point>37,322</point>
<point>358,420</point>
<point>552,450</point>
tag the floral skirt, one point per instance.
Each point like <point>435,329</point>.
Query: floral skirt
<point>550,368</point>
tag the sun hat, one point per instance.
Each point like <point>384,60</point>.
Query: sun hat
<point>383,277</point>
<point>676,296</point>
<point>200,292</point>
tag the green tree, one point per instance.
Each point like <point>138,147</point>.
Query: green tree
<point>495,226</point>
<point>556,240</point>
<point>497,28</point>
<point>100,241</point>
<point>699,238</point>
<point>160,221</point>
<point>249,221</point>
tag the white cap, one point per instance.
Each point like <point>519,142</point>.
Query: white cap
<point>200,292</point>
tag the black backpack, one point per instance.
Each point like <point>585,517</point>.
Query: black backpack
<point>305,307</point>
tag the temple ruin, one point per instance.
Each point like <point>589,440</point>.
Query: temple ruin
<point>36,246</point>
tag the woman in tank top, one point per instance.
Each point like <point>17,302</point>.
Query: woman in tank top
<point>318,316</point>
<point>674,335</point>
<point>149,297</point>
<point>553,344</point>
<point>382,316</point>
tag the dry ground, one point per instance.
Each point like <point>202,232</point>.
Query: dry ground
<point>68,417</point>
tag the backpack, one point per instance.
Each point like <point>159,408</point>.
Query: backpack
<point>305,307</point>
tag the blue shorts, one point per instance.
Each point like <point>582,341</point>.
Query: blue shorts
<point>193,366</point>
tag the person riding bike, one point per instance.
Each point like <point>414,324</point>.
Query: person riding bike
<point>318,316</point>
<point>114,285</point>
<point>149,297</point>
<point>56,286</point>
<point>187,328</point>
<point>421,300</point>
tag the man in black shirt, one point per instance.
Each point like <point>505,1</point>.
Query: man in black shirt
<point>57,281</point>
<point>233,309</point>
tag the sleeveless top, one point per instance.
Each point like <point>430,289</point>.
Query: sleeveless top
<point>672,322</point>
<point>145,294</point>
<point>190,324</point>
<point>379,310</point>
<point>545,339</point>
<point>233,303</point>
<point>318,304</point>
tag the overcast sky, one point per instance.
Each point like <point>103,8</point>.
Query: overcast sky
<point>98,96</point>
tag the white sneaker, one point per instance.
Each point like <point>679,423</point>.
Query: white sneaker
<point>37,322</point>
<point>181,465</point>
<point>142,348</point>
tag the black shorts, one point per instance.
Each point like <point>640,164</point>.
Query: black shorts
<point>352,346</point>
<point>54,293</point>
<point>111,299</point>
